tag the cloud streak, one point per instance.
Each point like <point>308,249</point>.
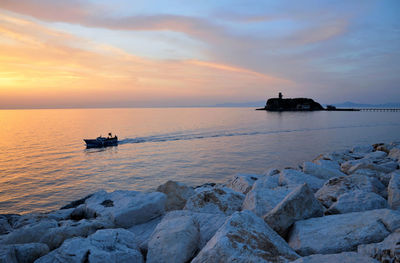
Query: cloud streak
<point>41,66</point>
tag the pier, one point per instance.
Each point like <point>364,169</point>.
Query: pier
<point>380,109</point>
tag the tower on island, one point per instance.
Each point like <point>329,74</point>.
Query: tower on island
<point>280,95</point>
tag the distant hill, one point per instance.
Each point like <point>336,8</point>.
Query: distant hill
<point>349,104</point>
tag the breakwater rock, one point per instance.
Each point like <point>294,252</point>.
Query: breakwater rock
<point>341,207</point>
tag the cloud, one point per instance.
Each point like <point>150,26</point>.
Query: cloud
<point>44,67</point>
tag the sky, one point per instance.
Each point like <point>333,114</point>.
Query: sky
<point>121,53</point>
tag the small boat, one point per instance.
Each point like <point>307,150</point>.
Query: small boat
<point>102,141</point>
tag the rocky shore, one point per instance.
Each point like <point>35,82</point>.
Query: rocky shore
<point>340,207</point>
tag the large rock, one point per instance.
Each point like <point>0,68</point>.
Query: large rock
<point>299,204</point>
<point>265,195</point>
<point>243,183</point>
<point>357,201</point>
<point>363,149</point>
<point>208,223</point>
<point>108,245</point>
<point>22,253</point>
<point>386,251</point>
<point>385,166</point>
<point>29,233</point>
<point>177,194</point>
<point>394,191</point>
<point>54,237</point>
<point>323,171</point>
<point>215,200</point>
<point>295,178</point>
<point>127,208</point>
<point>174,240</point>
<point>344,257</point>
<point>335,187</point>
<point>5,226</point>
<point>143,232</point>
<point>245,237</point>
<point>344,232</point>
<point>395,153</point>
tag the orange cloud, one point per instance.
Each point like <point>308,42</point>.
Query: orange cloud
<point>44,67</point>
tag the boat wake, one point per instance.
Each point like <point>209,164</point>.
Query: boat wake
<point>218,134</point>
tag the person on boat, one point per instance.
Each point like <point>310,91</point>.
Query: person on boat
<point>109,135</point>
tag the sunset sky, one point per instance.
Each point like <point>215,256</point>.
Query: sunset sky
<point>124,53</point>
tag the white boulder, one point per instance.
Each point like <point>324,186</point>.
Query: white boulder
<point>127,208</point>
<point>174,240</point>
<point>357,201</point>
<point>177,194</point>
<point>394,191</point>
<point>395,153</point>
<point>22,253</point>
<point>363,149</point>
<point>215,200</point>
<point>297,205</point>
<point>343,232</point>
<point>344,257</point>
<point>107,245</point>
<point>245,237</point>
<point>54,237</point>
<point>265,195</point>
<point>142,232</point>
<point>295,178</point>
<point>335,187</point>
<point>32,233</point>
<point>323,171</point>
<point>242,183</point>
<point>386,251</point>
<point>208,223</point>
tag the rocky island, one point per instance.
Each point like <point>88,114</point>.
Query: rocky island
<point>297,104</point>
<point>340,207</point>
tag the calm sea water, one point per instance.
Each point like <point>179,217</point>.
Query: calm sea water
<point>44,163</point>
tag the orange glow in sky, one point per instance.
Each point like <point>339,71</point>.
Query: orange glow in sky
<point>119,53</point>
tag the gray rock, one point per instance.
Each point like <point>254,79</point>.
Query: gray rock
<point>299,204</point>
<point>335,187</point>
<point>271,172</point>
<point>343,232</point>
<point>208,223</point>
<point>294,178</point>
<point>386,251</point>
<point>376,156</point>
<point>245,237</point>
<point>363,149</point>
<point>108,245</point>
<point>216,200</point>
<point>344,257</point>
<point>54,237</point>
<point>243,183</point>
<point>22,253</point>
<point>177,194</point>
<point>63,214</point>
<point>323,171</point>
<point>29,233</point>
<point>395,153</point>
<point>265,195</point>
<point>5,226</point>
<point>127,208</point>
<point>142,232</point>
<point>385,166</point>
<point>174,240</point>
<point>357,201</point>
<point>394,191</point>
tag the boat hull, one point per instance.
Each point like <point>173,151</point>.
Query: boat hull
<point>98,143</point>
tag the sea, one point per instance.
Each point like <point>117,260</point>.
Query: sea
<point>44,163</point>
